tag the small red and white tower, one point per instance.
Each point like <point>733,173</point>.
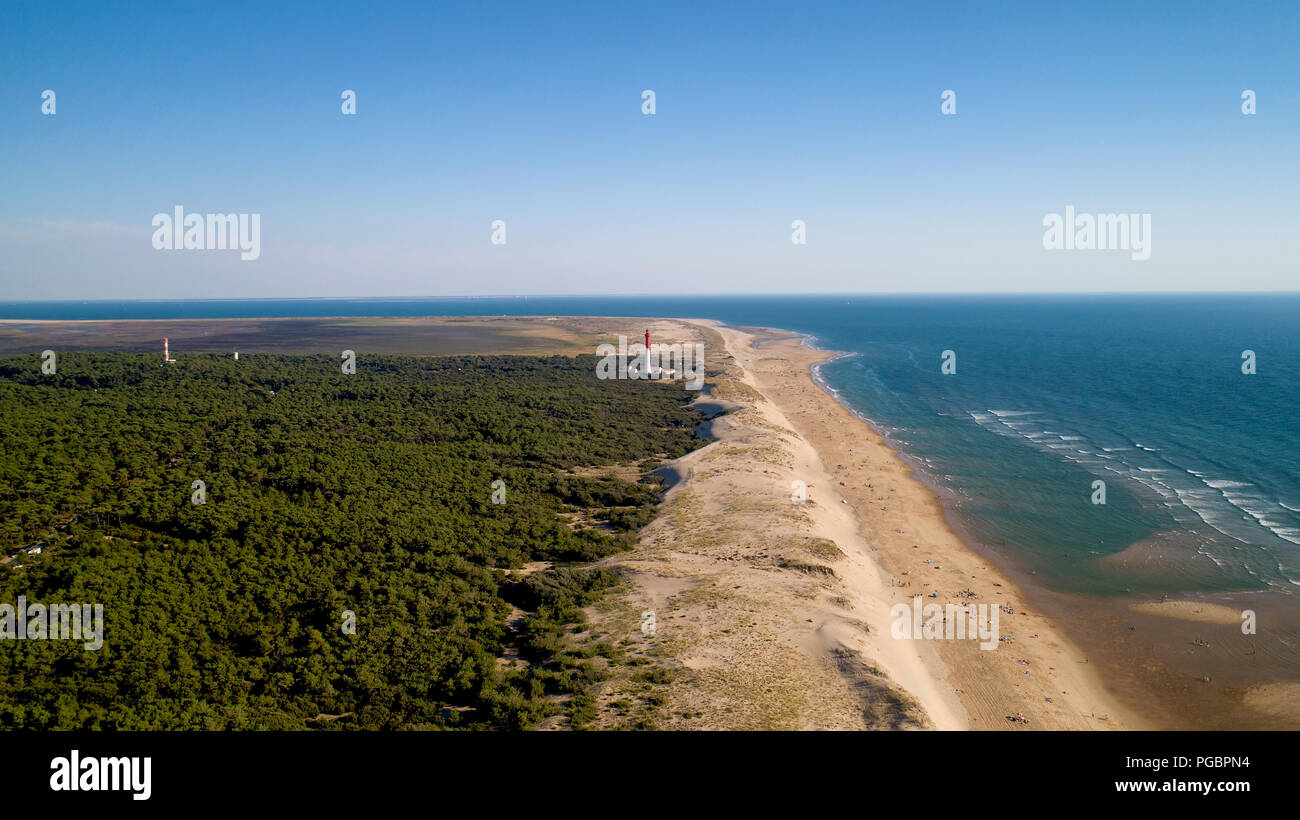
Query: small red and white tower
<point>652,371</point>
<point>167,359</point>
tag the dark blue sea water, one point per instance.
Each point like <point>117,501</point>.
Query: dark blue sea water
<point>1201,462</point>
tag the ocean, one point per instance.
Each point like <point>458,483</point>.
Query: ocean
<point>1051,394</point>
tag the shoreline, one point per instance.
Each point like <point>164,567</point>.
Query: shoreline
<point>1139,664</point>
<point>913,533</point>
<point>779,615</point>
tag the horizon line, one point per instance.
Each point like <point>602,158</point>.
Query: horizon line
<point>653,296</point>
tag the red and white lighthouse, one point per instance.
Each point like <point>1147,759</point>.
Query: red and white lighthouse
<point>167,359</point>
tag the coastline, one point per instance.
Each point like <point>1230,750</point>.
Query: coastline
<point>1091,663</point>
<point>1181,663</point>
<point>914,540</point>
<point>779,614</point>
<point>762,595</point>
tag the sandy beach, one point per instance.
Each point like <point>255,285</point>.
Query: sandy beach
<point>779,613</point>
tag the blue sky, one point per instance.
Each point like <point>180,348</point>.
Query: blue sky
<point>766,113</point>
